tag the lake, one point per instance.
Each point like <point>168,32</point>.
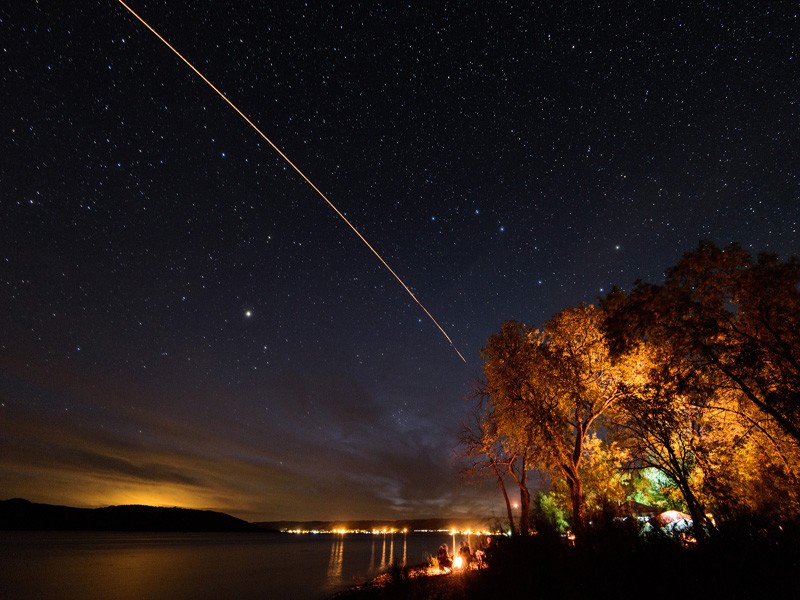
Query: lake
<point>84,565</point>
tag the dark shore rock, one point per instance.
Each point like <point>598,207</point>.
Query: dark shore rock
<point>418,583</point>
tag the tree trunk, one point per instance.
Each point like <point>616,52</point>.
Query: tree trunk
<point>506,498</point>
<point>576,499</point>
<point>524,494</point>
<point>574,479</point>
<point>524,511</point>
<point>696,509</point>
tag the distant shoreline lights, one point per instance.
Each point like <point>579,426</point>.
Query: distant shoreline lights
<point>388,531</point>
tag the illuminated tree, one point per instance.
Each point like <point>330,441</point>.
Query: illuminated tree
<point>750,468</point>
<point>483,449</point>
<point>664,424</point>
<point>720,410</point>
<point>732,321</point>
<point>548,389</point>
<point>586,386</point>
<point>721,461</point>
<point>702,378</point>
<point>513,390</point>
<point>606,482</point>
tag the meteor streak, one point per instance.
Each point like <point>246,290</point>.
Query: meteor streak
<point>299,172</point>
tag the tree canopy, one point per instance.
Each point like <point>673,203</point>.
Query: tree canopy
<point>696,378</point>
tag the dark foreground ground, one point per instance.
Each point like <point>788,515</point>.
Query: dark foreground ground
<point>608,567</point>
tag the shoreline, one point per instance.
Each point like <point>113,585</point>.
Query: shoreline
<point>606,566</point>
<point>416,581</point>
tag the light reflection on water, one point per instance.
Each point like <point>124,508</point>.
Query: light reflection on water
<point>72,565</point>
<point>336,561</point>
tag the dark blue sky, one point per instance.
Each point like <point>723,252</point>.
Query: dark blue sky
<point>185,322</point>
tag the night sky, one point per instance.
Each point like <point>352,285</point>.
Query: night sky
<point>184,321</point>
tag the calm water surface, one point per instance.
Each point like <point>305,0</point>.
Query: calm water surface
<point>85,565</point>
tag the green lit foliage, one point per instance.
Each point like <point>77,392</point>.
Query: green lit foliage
<point>651,487</point>
<point>548,513</point>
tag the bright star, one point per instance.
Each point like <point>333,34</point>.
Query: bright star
<point>248,313</point>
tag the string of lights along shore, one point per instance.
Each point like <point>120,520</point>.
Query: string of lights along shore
<point>185,324</point>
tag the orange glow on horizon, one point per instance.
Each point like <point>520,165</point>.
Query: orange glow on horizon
<point>153,498</point>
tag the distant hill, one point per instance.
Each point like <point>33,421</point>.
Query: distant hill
<point>21,515</point>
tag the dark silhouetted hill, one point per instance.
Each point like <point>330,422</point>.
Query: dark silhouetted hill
<point>21,515</point>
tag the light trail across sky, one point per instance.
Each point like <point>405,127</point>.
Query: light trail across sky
<point>299,172</point>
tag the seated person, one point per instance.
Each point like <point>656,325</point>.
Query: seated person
<point>443,558</point>
<point>466,556</point>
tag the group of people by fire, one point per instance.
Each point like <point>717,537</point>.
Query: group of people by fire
<point>463,560</point>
